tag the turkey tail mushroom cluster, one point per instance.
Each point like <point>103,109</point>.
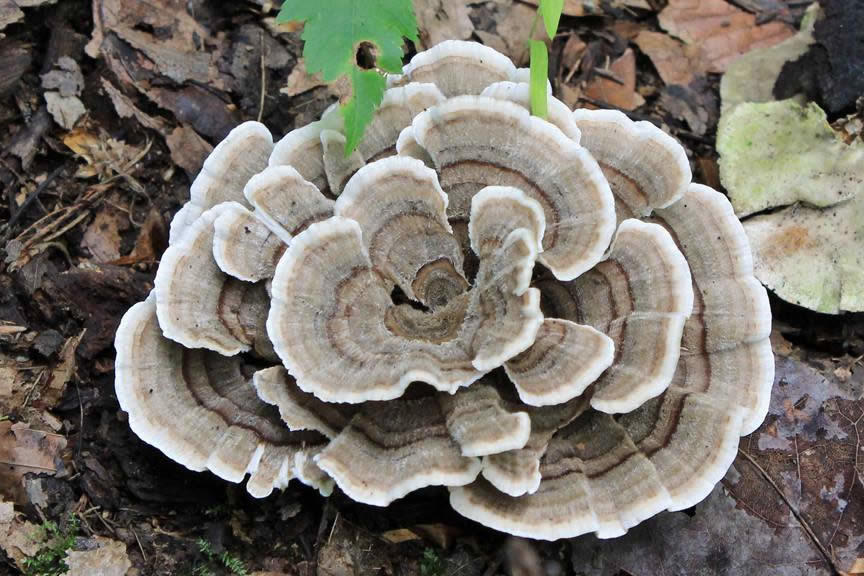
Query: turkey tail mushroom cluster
<point>545,316</point>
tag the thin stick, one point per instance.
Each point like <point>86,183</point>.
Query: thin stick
<point>794,511</point>
<point>263,81</point>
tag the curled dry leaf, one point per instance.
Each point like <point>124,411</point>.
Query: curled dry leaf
<point>720,31</point>
<point>586,319</point>
<point>19,538</point>
<point>619,92</point>
<point>26,451</point>
<point>751,78</point>
<point>102,557</point>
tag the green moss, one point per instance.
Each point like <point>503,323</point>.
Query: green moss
<point>50,559</point>
<point>430,563</point>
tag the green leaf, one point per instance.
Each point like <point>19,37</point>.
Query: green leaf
<point>551,11</point>
<point>335,29</point>
<point>368,91</point>
<point>539,77</point>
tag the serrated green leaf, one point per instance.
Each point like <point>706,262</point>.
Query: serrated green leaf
<point>334,29</point>
<point>539,77</point>
<point>551,11</point>
<point>368,90</point>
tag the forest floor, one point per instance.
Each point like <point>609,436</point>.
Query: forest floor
<point>107,110</point>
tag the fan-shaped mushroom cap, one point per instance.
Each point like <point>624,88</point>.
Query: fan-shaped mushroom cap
<point>457,68</point>
<point>338,332</point>
<point>397,109</point>
<point>477,141</point>
<point>242,153</point>
<point>199,409</point>
<point>407,145</point>
<point>640,296</point>
<point>243,246</point>
<point>496,211</point>
<point>480,423</point>
<point>286,202</point>
<point>299,410</point>
<point>302,149</point>
<point>520,93</point>
<point>394,448</point>
<point>564,360</point>
<point>199,306</point>
<point>517,472</point>
<point>337,167</point>
<point>645,167</point>
<point>402,213</point>
<point>726,351</point>
<point>607,476</point>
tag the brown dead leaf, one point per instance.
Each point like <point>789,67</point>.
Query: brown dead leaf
<point>440,20</point>
<point>102,557</point>
<point>178,52</point>
<point>300,81</point>
<point>513,25</point>
<point>720,31</point>
<point>19,538</point>
<point>400,535</point>
<point>61,373</point>
<point>24,451</point>
<point>151,242</point>
<point>574,48</point>
<point>102,236</point>
<point>620,95</point>
<point>188,149</point>
<point>675,61</point>
<point>857,567</point>
<point>125,108</point>
<point>66,110</point>
<point>492,40</point>
<point>104,156</point>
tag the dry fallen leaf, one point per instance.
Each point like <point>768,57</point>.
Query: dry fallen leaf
<point>102,236</point>
<point>26,451</point>
<point>440,20</point>
<point>513,25</point>
<point>188,149</point>
<point>106,558</point>
<point>61,373</point>
<point>104,156</point>
<point>721,31</point>
<point>620,95</point>
<point>300,81</point>
<point>125,108</point>
<point>675,61</point>
<point>19,538</point>
<point>66,110</point>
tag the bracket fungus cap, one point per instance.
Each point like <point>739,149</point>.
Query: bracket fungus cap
<point>585,319</point>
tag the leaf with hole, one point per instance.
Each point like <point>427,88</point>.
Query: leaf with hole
<point>337,31</point>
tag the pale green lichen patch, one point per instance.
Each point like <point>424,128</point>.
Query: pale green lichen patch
<point>812,257</point>
<point>778,153</point>
<point>751,77</point>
